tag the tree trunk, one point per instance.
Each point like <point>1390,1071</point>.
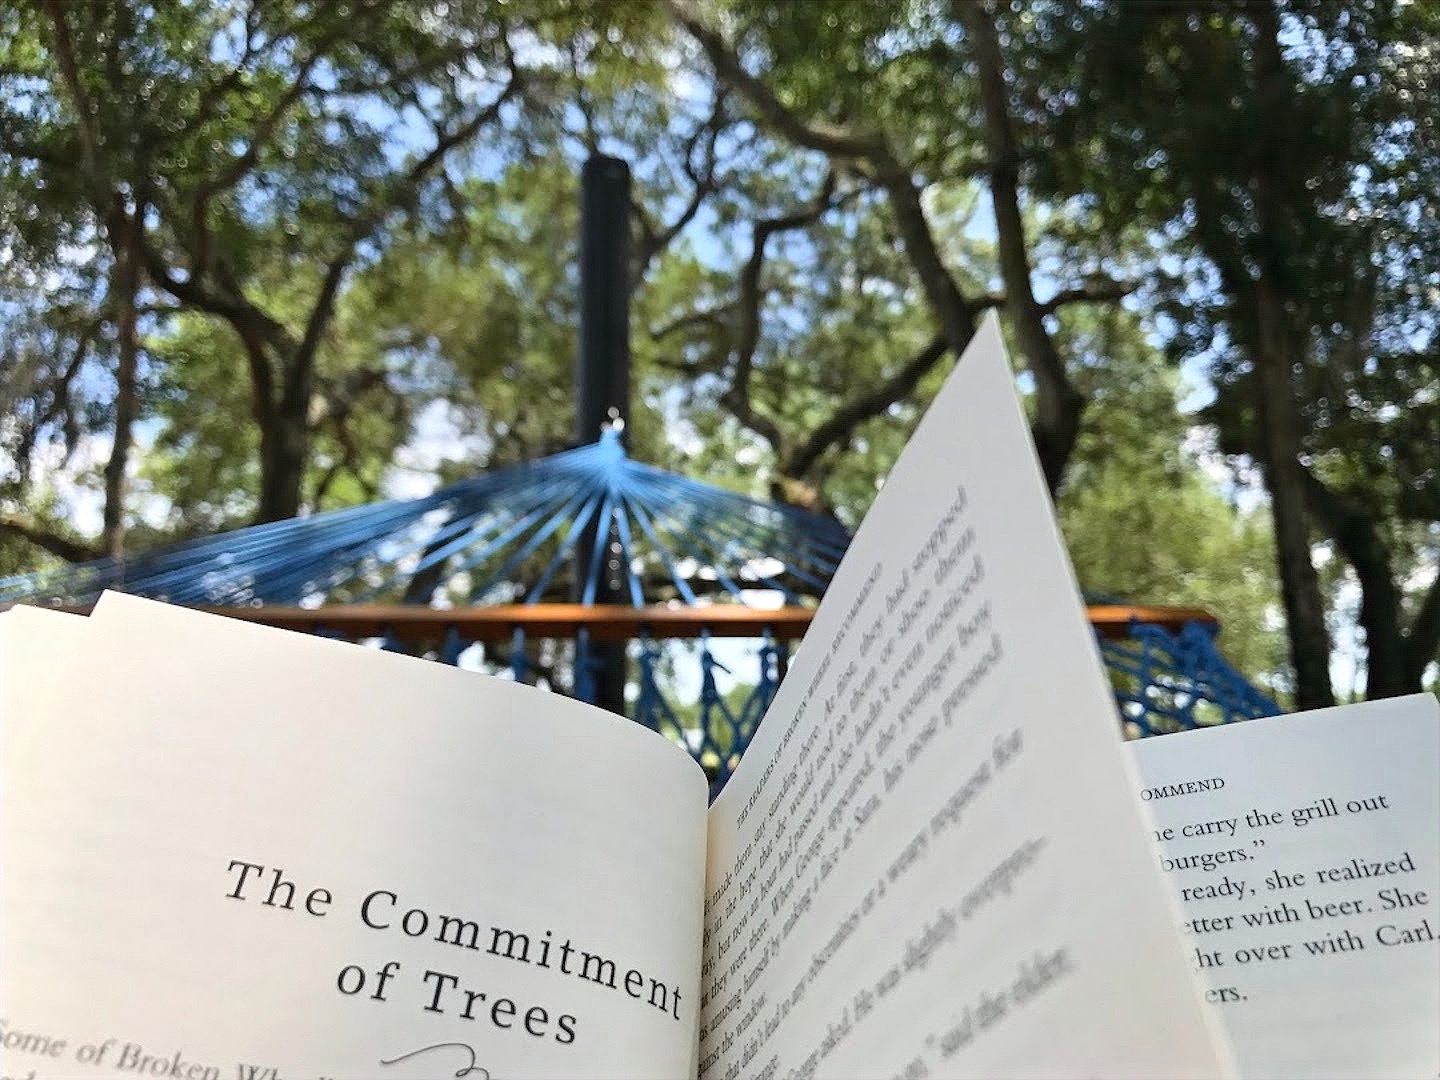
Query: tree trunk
<point>802,492</point>
<point>1275,351</point>
<point>284,452</point>
<point>282,414</point>
<point>126,289</point>
<point>1058,403</point>
<point>1390,658</point>
<point>420,589</point>
<point>1285,481</point>
<point>1423,639</point>
<point>1387,667</point>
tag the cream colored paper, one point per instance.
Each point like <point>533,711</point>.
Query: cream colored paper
<point>931,861</point>
<point>138,772</point>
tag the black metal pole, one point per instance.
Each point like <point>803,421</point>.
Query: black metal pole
<point>602,379</point>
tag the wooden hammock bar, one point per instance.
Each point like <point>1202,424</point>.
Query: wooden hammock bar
<point>613,622</point>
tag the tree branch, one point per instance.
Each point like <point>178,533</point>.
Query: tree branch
<point>1097,291</point>
<point>1058,404</point>
<point>69,548</point>
<point>244,162</point>
<point>298,377</point>
<point>747,311</point>
<point>833,139</point>
<point>946,301</point>
<point>191,293</point>
<point>16,147</point>
<point>84,116</point>
<point>845,419</point>
<point>582,101</point>
<point>213,93</point>
<point>703,185</point>
<point>60,406</point>
<point>715,317</point>
<point>445,143</point>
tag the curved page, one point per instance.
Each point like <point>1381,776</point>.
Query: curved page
<point>228,851</point>
<point>932,861</point>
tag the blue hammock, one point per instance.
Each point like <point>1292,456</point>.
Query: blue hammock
<point>512,536</point>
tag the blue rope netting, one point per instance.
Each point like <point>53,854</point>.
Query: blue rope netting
<point>512,536</point>
<point>1167,682</point>
<point>506,536</point>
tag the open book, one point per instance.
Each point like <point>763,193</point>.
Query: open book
<point>234,852</point>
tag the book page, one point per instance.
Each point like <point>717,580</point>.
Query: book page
<point>1306,850</point>
<point>236,852</point>
<point>932,861</point>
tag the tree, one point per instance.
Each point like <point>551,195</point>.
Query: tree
<point>52,336</point>
<point>888,125</point>
<point>354,226</point>
<point>1141,517</point>
<point>58,337</point>
<point>1058,404</point>
<point>1262,142</point>
<point>210,139</point>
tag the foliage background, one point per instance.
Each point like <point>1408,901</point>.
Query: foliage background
<point>260,257</point>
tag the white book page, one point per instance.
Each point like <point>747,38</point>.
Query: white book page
<point>1307,852</point>
<point>150,760</point>
<point>932,861</point>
